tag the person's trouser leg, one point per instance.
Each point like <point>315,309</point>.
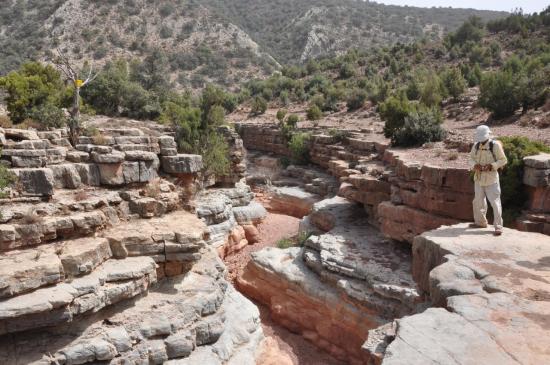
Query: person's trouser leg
<point>480,206</point>
<point>493,194</point>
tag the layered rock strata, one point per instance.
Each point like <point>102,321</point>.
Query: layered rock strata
<point>346,280</point>
<point>46,160</point>
<point>118,276</point>
<point>231,216</point>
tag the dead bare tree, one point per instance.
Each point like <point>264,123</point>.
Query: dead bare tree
<point>64,65</point>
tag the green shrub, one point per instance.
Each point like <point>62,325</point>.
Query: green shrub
<point>418,128</point>
<point>259,106</point>
<point>432,91</point>
<point>339,135</point>
<point>356,99</point>
<point>7,178</point>
<point>298,240</point>
<point>285,243</point>
<point>499,93</point>
<point>514,194</point>
<point>299,148</point>
<point>293,120</point>
<point>314,113</point>
<point>30,88</point>
<point>49,116</point>
<point>281,114</point>
<point>393,111</point>
<point>454,82</point>
<point>347,71</point>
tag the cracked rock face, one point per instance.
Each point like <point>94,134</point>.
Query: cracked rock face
<point>495,291</point>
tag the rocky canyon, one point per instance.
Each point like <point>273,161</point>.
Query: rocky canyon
<point>113,253</point>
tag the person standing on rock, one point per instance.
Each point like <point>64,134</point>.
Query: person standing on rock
<point>486,158</point>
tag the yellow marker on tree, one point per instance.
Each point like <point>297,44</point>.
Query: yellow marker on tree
<point>78,83</point>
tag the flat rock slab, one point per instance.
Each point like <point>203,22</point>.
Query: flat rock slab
<point>497,294</point>
<point>151,236</point>
<point>293,201</point>
<point>22,271</point>
<point>517,262</point>
<point>438,337</point>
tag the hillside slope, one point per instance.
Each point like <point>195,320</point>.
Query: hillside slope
<point>212,40</point>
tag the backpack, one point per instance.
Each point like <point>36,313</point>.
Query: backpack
<point>491,145</point>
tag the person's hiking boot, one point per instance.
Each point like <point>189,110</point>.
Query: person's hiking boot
<point>498,232</point>
<point>475,225</point>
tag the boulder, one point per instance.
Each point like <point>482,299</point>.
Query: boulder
<point>36,182</point>
<point>66,176</point>
<point>20,134</point>
<point>293,201</point>
<point>181,164</point>
<point>252,213</point>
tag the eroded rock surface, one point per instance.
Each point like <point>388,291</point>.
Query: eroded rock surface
<point>347,280</point>
<point>495,291</point>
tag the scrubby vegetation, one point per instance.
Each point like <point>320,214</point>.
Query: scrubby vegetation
<point>514,196</point>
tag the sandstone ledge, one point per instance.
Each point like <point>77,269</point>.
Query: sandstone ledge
<point>496,292</point>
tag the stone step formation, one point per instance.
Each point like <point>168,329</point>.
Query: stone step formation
<point>105,260</point>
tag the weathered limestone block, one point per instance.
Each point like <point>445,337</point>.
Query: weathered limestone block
<point>181,164</point>
<point>22,271</point>
<point>81,256</point>
<point>20,134</point>
<point>20,161</point>
<point>36,182</point>
<point>166,142</point>
<point>112,173</point>
<point>147,207</point>
<point>252,213</point>
<point>148,170</point>
<point>56,155</point>
<point>537,170</point>
<point>78,156</point>
<point>130,172</point>
<point>140,156</point>
<point>66,176</point>
<point>114,157</point>
<point>293,201</point>
<point>89,173</point>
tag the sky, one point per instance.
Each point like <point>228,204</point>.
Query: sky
<point>528,6</point>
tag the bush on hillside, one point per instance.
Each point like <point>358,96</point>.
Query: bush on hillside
<point>393,111</point>
<point>314,113</point>
<point>499,93</point>
<point>259,106</point>
<point>432,91</point>
<point>419,127</point>
<point>454,82</point>
<point>31,88</point>
<point>514,194</point>
<point>356,99</point>
<point>293,120</point>
<point>281,114</point>
<point>49,116</point>
<point>299,148</point>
